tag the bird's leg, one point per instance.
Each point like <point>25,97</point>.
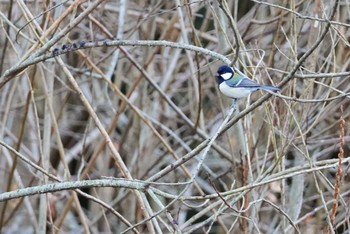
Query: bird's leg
<point>233,104</point>
<point>232,107</point>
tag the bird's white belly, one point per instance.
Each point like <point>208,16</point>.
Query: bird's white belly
<point>234,92</point>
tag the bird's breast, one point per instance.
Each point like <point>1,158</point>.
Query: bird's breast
<point>234,92</point>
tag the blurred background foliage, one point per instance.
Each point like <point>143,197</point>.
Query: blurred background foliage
<point>43,117</point>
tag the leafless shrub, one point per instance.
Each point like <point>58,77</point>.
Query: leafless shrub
<point>110,111</point>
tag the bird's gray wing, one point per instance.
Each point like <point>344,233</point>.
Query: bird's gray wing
<point>244,82</point>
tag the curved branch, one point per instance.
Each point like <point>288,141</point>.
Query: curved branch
<point>9,74</point>
<point>54,187</point>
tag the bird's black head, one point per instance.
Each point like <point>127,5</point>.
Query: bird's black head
<point>224,69</point>
<point>224,73</point>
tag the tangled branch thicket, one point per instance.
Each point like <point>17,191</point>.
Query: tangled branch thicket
<point>111,120</point>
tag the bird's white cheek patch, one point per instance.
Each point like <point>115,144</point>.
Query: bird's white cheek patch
<point>226,76</point>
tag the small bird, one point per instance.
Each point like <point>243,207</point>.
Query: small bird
<point>235,85</point>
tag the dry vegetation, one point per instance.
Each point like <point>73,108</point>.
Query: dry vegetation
<point>131,135</point>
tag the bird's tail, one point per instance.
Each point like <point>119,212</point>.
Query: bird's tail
<point>271,88</point>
